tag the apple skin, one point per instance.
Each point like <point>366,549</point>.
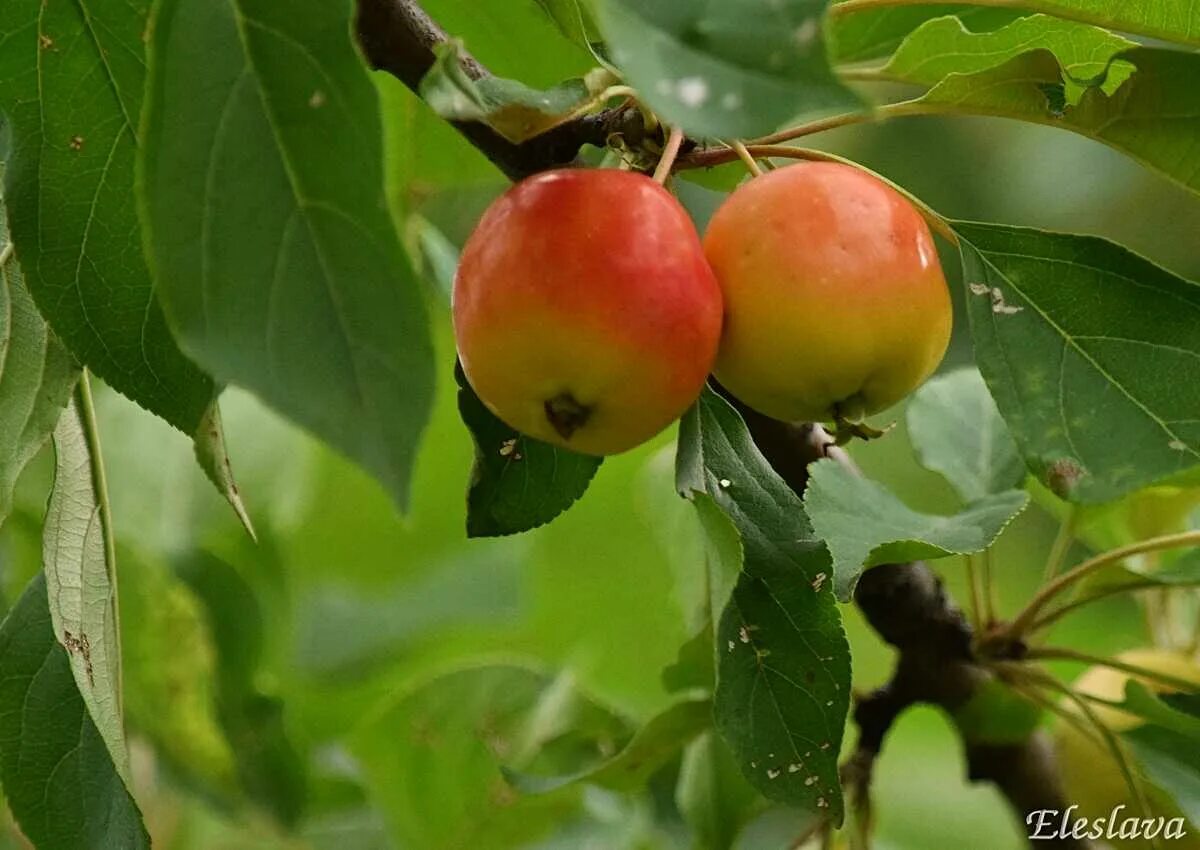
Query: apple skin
<point>584,311</point>
<point>1091,778</point>
<point>835,302</point>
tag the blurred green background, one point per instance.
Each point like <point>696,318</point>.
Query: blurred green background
<point>283,668</point>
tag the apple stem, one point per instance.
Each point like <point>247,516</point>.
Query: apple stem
<point>744,155</point>
<point>1060,654</point>
<point>670,152</point>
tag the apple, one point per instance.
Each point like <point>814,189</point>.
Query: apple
<point>835,302</point>
<point>584,312</point>
<point>1091,778</point>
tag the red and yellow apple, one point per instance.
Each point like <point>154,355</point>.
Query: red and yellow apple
<point>1091,778</point>
<point>835,302</point>
<point>584,311</point>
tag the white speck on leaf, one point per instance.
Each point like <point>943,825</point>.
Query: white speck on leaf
<point>811,780</point>
<point>731,100</point>
<point>772,773</point>
<point>979,288</point>
<point>806,32</point>
<point>793,768</point>
<point>317,100</point>
<point>692,91</point>
<point>725,483</point>
<point>818,582</point>
<point>731,645</point>
<point>1177,445</point>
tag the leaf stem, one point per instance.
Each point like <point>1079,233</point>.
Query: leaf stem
<point>670,152</point>
<point>1062,544</point>
<point>989,586</point>
<point>1020,625</point>
<point>744,156</point>
<point>976,598</point>
<point>1063,654</point>
<point>6,254</point>
<point>87,417</point>
<point>1057,614</point>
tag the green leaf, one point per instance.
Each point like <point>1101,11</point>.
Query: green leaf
<point>80,569</point>
<point>1170,21</point>
<point>304,295</point>
<point>783,663</point>
<point>1169,761</point>
<point>661,738</point>
<point>956,430</point>
<point>713,797</point>
<point>693,667</point>
<point>517,483</point>
<point>574,19</point>
<point>209,445</point>
<point>1092,354</point>
<point>1141,702</point>
<point>1154,117</point>
<point>170,674</point>
<point>864,525</point>
<point>876,32</point>
<point>513,109</point>
<point>996,715</point>
<point>734,69</point>
<point>944,46</point>
<point>59,778</point>
<point>432,757</point>
<point>73,77</point>
<point>37,374</point>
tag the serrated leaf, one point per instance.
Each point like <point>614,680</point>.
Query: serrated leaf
<point>783,663</point>
<point>873,33</point>
<point>1169,21</point>
<point>1154,117</point>
<point>37,374</point>
<point>734,69</point>
<point>957,431</point>
<point>864,525</point>
<point>517,482</point>
<point>511,108</point>
<point>1092,354</point>
<point>432,757</point>
<point>71,80</point>
<point>209,444</point>
<point>1168,759</point>
<point>662,737</point>
<point>59,778</point>
<point>1087,55</point>
<point>303,296</point>
<point>1141,702</point>
<point>80,569</point>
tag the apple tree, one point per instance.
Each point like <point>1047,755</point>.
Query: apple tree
<point>209,200</point>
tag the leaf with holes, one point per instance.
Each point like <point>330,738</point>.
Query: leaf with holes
<point>37,373</point>
<point>514,110</point>
<point>1087,55</point>
<point>734,69</point>
<point>1153,117</point>
<point>956,430</point>
<point>864,525</point>
<point>58,774</point>
<point>73,75</point>
<point>79,563</point>
<point>783,663</point>
<point>303,296</point>
<point>1092,354</point>
<point>517,482</point>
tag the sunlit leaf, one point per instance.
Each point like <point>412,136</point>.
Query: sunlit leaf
<point>956,430</point>
<point>1091,353</point>
<point>304,296</point>
<point>864,525</point>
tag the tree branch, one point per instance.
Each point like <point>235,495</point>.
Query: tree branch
<point>398,37</point>
<point>905,603</point>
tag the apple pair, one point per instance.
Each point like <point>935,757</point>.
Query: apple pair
<point>588,313</point>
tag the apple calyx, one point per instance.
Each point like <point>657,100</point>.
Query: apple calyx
<point>566,414</point>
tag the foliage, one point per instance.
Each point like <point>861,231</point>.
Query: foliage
<point>201,195</point>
